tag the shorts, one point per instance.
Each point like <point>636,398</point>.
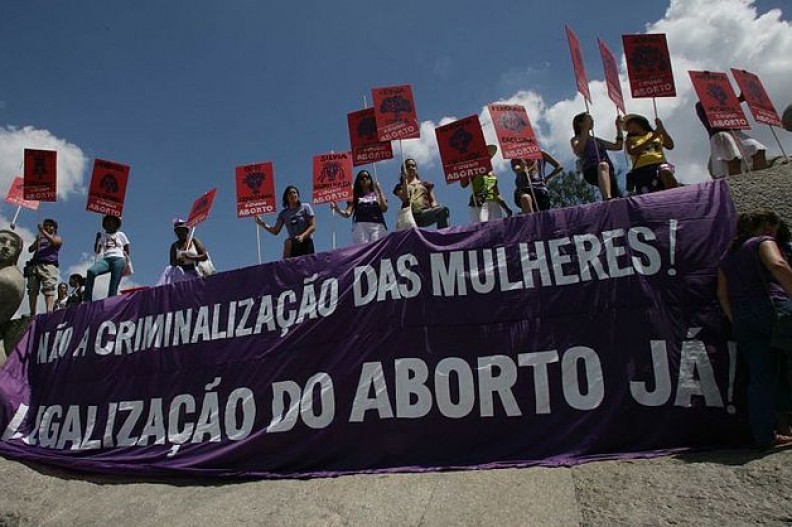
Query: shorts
<point>542,198</point>
<point>44,278</point>
<point>591,175</point>
<point>366,231</point>
<point>301,249</point>
<point>646,179</point>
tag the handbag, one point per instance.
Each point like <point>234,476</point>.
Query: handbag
<point>29,269</point>
<point>206,267</point>
<point>128,269</point>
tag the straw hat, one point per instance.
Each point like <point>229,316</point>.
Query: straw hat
<point>635,117</point>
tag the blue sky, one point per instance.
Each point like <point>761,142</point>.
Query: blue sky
<point>185,91</point>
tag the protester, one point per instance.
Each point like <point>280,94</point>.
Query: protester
<point>754,280</point>
<point>112,249</point>
<point>486,202</point>
<point>76,282</point>
<point>650,169</point>
<point>727,148</point>
<point>42,270</point>
<point>530,182</point>
<point>405,220</point>
<point>185,253</point>
<point>366,209</point>
<point>300,224</point>
<point>425,208</point>
<point>63,296</point>
<point>596,165</point>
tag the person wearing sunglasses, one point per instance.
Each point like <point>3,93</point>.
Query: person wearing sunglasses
<point>366,209</point>
<point>425,208</point>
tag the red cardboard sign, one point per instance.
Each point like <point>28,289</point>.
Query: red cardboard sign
<point>719,101</point>
<point>366,146</point>
<point>332,178</point>
<point>394,110</point>
<point>649,65</point>
<point>515,133</point>
<point>16,195</point>
<point>463,149</point>
<point>577,63</point>
<point>756,97</point>
<point>108,188</point>
<point>255,190</point>
<point>201,208</point>
<point>41,181</point>
<point>611,69</point>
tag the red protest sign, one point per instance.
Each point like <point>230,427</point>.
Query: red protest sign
<point>332,178</point>
<point>16,195</point>
<point>201,208</point>
<point>41,182</point>
<point>612,76</point>
<point>514,131</point>
<point>366,146</point>
<point>108,188</point>
<point>649,66</point>
<point>577,63</point>
<point>463,149</point>
<point>255,190</point>
<point>756,97</point>
<point>718,100</point>
<point>394,111</point>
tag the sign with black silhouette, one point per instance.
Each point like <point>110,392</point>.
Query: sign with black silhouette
<point>255,190</point>
<point>40,175</point>
<point>366,146</point>
<point>756,97</point>
<point>201,208</point>
<point>16,195</point>
<point>577,63</point>
<point>611,69</point>
<point>649,65</point>
<point>394,110</point>
<point>463,149</point>
<point>108,188</point>
<point>720,104</point>
<point>515,133</point>
<point>332,178</point>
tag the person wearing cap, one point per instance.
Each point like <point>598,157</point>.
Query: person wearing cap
<point>42,272</point>
<point>728,146</point>
<point>650,169</point>
<point>425,208</point>
<point>300,222</point>
<point>366,209</point>
<point>596,165</point>
<point>185,253</point>
<point>530,182</point>
<point>112,250</point>
<point>486,202</point>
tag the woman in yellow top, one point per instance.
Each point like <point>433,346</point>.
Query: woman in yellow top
<point>651,171</point>
<point>486,202</point>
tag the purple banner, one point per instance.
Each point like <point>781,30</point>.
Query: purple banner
<point>576,334</point>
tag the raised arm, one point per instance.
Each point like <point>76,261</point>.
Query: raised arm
<point>272,229</point>
<point>344,213</point>
<point>550,160</point>
<point>777,265</point>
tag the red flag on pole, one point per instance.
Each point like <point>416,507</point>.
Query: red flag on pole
<point>255,189</point>
<point>201,208</point>
<point>41,181</point>
<point>463,149</point>
<point>332,178</point>
<point>514,131</point>
<point>366,146</point>
<point>577,63</point>
<point>719,101</point>
<point>649,66</point>
<point>611,69</point>
<point>394,110</point>
<point>16,195</point>
<point>108,188</point>
<point>756,97</point>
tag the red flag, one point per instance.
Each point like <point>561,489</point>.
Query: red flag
<point>41,181</point>
<point>577,63</point>
<point>255,190</point>
<point>201,208</point>
<point>756,97</point>
<point>719,101</point>
<point>16,195</point>
<point>463,149</point>
<point>514,131</point>
<point>332,178</point>
<point>366,147</point>
<point>394,110</point>
<point>108,188</point>
<point>649,66</point>
<point>612,76</point>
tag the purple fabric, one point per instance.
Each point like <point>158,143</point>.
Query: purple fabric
<point>367,209</point>
<point>594,152</point>
<point>532,340</point>
<point>297,219</point>
<point>746,277</point>
<point>46,253</point>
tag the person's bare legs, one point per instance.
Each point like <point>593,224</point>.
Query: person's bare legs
<point>49,302</point>
<point>32,303</point>
<point>734,166</point>
<point>668,179</point>
<point>604,180</point>
<point>526,204</point>
<point>759,160</point>
<point>287,248</point>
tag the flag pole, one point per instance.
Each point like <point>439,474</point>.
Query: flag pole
<point>16,215</point>
<point>376,179</point>
<point>258,241</point>
<point>772,129</point>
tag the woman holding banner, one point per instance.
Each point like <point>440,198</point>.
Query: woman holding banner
<point>530,182</point>
<point>425,208</point>
<point>300,224</point>
<point>727,148</point>
<point>112,249</point>
<point>650,171</point>
<point>597,167</point>
<point>366,209</point>
<point>185,253</point>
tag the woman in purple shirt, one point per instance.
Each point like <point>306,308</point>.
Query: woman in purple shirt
<point>43,273</point>
<point>597,167</point>
<point>754,280</point>
<point>300,223</point>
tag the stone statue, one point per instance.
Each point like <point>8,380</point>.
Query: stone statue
<point>787,118</point>
<point>12,284</point>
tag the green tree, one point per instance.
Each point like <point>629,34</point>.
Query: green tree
<point>569,189</point>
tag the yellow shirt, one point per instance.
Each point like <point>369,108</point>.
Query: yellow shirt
<point>652,155</point>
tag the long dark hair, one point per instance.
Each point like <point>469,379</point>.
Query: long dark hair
<point>577,121</point>
<point>285,198</point>
<point>357,188</point>
<point>749,222</point>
